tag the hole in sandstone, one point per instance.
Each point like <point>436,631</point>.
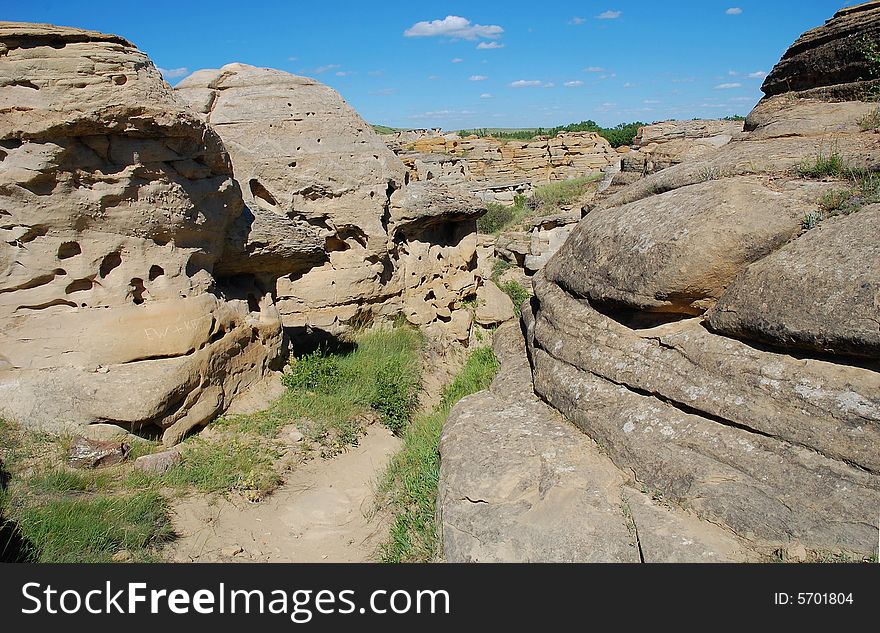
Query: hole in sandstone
<point>78,285</point>
<point>137,290</point>
<point>120,80</point>
<point>33,233</point>
<point>161,239</point>
<point>197,262</point>
<point>259,191</point>
<point>333,243</point>
<point>219,334</point>
<point>156,272</point>
<point>319,141</point>
<point>293,164</point>
<point>637,319</point>
<point>110,262</point>
<point>69,249</point>
<point>253,302</point>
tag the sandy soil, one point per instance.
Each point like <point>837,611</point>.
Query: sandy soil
<point>323,512</point>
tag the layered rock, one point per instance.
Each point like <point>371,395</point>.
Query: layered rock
<point>835,61</point>
<point>502,165</point>
<point>519,483</point>
<point>668,143</point>
<point>722,354</point>
<point>115,202</point>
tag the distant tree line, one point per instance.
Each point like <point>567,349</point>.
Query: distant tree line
<point>620,134</point>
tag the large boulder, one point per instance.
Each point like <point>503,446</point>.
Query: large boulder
<point>115,203</point>
<point>678,251</point>
<point>307,165</point>
<point>820,293</point>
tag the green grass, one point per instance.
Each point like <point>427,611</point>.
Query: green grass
<point>500,267</point>
<point>517,293</point>
<point>870,121</point>
<point>499,217</point>
<point>546,200</point>
<point>551,196</point>
<point>824,165</point>
<point>384,129</point>
<point>409,486</point>
<point>92,530</point>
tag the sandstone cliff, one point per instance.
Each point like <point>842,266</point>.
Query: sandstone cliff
<point>115,203</point>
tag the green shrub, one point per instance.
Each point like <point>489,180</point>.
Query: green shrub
<point>315,372</point>
<point>395,395</point>
<point>810,220</point>
<point>500,267</point>
<point>497,218</point>
<point>517,293</point>
<point>563,192</point>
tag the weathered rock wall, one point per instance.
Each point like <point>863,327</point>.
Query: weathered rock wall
<point>115,202</point>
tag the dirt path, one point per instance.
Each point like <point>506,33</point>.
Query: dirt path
<point>324,512</point>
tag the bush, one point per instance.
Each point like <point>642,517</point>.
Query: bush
<point>395,395</point>
<point>517,293</point>
<point>824,166</point>
<point>315,372</point>
<point>498,217</point>
<point>500,267</point>
<point>870,121</point>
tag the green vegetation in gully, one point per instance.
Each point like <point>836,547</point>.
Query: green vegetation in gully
<point>409,487</point>
<point>860,186</point>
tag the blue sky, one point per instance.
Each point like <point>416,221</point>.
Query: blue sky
<point>475,64</point>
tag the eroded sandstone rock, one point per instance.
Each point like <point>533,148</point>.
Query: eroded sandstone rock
<point>115,202</point>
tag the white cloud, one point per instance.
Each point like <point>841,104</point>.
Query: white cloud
<point>525,83</point>
<point>629,84</point>
<point>489,45</point>
<point>549,84</point>
<point>609,15</point>
<point>344,73</point>
<point>454,26</point>
<point>758,74</point>
<point>292,59</point>
<point>573,84</point>
<point>456,60</point>
<point>174,73</point>
<point>650,101</point>
<point>594,69</point>
<point>684,80</point>
<point>732,73</point>
<point>485,95</point>
<point>577,20</point>
<point>323,69</point>
<point>477,78</point>
<point>728,86</point>
<point>734,11</point>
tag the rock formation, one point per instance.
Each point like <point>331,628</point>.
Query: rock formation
<point>497,170</point>
<point>714,328</point>
<point>310,167</point>
<point>668,143</point>
<point>115,202</point>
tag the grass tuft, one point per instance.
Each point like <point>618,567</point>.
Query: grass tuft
<point>517,293</point>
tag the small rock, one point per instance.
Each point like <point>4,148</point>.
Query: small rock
<point>103,432</point>
<point>157,463</point>
<point>797,552</point>
<point>232,550</point>
<point>122,556</point>
<point>88,453</point>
